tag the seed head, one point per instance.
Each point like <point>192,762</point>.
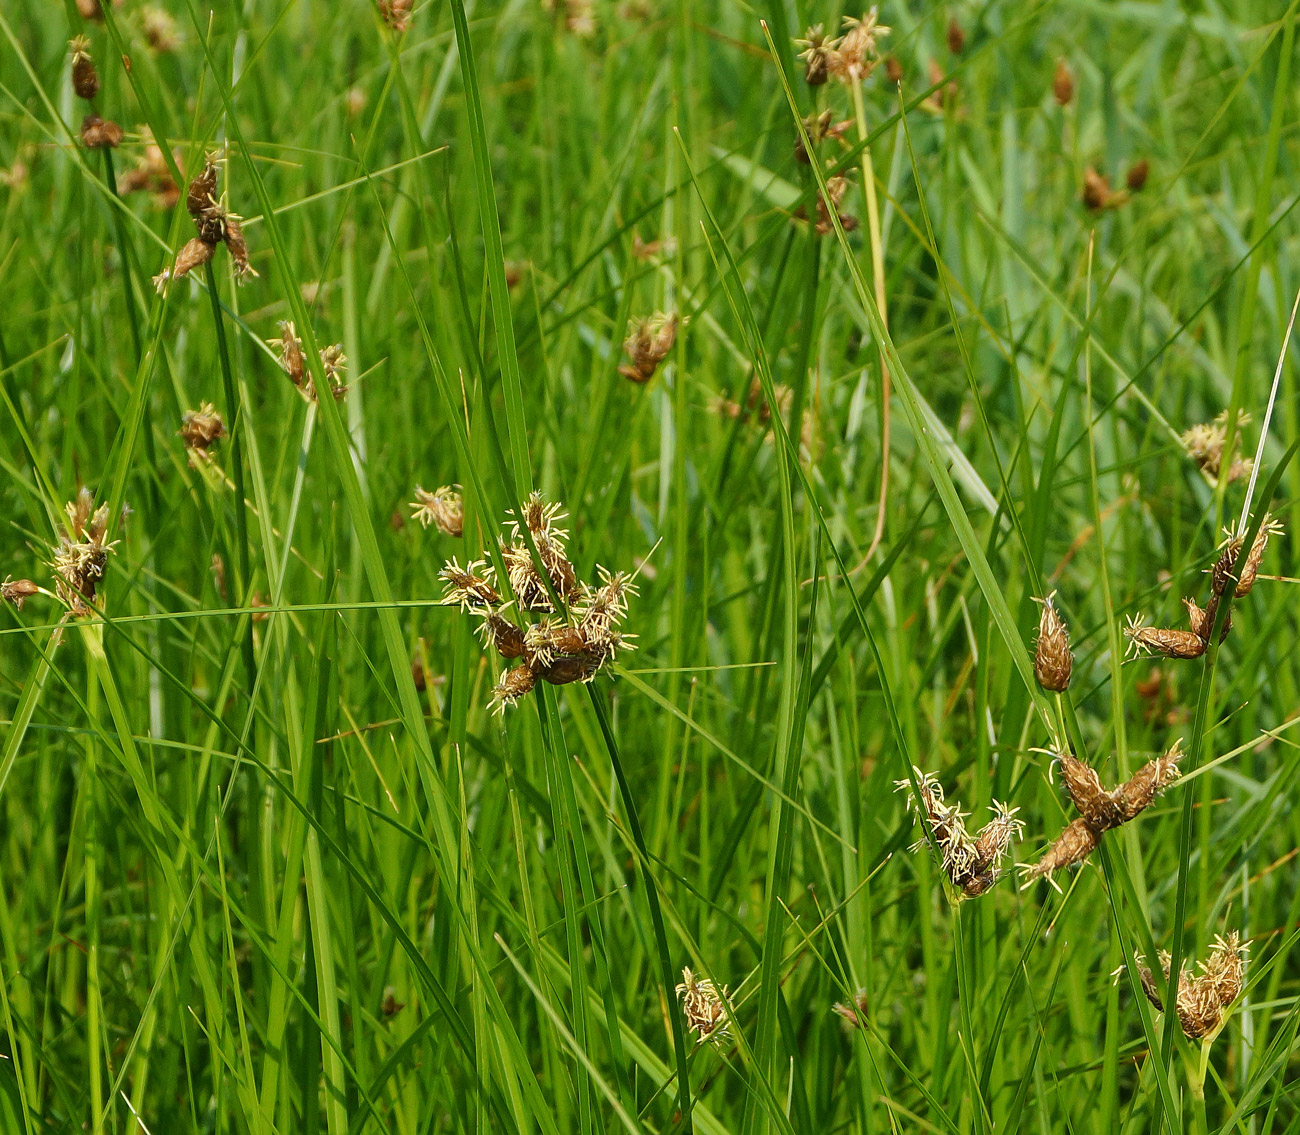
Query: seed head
<point>80,559</point>
<point>1202,621</point>
<point>647,345</point>
<point>444,508</point>
<point>1204,999</point>
<point>1205,442</point>
<point>1136,178</point>
<point>202,428</point>
<point>1099,809</point>
<point>1160,640</point>
<point>819,128</point>
<point>1097,193</point>
<point>473,585</point>
<point>515,683</point>
<point>396,14</point>
<point>18,591</point>
<point>1137,793</point>
<point>85,79</point>
<point>1062,84</point>
<point>99,133</point>
<point>1072,846</point>
<point>1052,658</point>
<point>956,36</point>
<point>505,635</point>
<point>858,51</point>
<point>703,1005</point>
<point>819,55</point>
<point>1250,569</point>
<point>1221,574</point>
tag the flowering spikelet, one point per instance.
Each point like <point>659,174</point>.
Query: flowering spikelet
<point>819,55</point>
<point>85,79</point>
<point>828,203</point>
<point>854,1011</point>
<point>702,1005</point>
<point>151,174</point>
<point>1100,810</point>
<point>819,128</point>
<point>956,36</point>
<point>473,585</point>
<point>1203,999</point>
<point>214,221</point>
<point>972,865</point>
<point>1097,193</point>
<point>1162,640</point>
<point>160,30</point>
<point>1062,84</point>
<point>202,428</point>
<point>332,362</point>
<point>80,559</point>
<point>99,133</point>
<point>396,14</point>
<point>1250,569</point>
<point>1052,657</point>
<point>858,50</point>
<point>1221,576</point>
<point>1205,442</point>
<point>18,591</point>
<point>1136,178</point>
<point>647,345</point>
<point>1202,621</point>
<point>443,508</point>
<point>558,649</point>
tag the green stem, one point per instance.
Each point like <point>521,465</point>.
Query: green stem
<point>244,589</point>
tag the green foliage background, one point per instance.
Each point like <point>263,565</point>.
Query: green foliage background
<point>254,877</point>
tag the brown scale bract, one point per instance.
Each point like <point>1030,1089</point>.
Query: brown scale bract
<point>647,345</point>
<point>1052,658</point>
<point>972,864</point>
<point>1202,620</point>
<point>1203,998</point>
<point>702,1005</point>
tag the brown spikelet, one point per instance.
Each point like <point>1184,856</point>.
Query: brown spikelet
<point>1072,846</point>
<point>1099,809</point>
<point>1136,178</point>
<point>858,50</point>
<point>202,428</point>
<point>1052,658</point>
<point>1250,569</point>
<point>703,1006</point>
<point>1202,621</point>
<point>1204,999</point>
<point>647,345</point>
<point>85,79</point>
<point>444,508</point>
<point>99,133</point>
<point>515,684</point>
<point>503,634</point>
<point>1137,793</point>
<point>1097,193</point>
<point>396,14</point>
<point>956,36</point>
<point>854,1011</point>
<point>1221,576</point>
<point>201,194</point>
<point>818,55</point>
<point>473,585</point>
<point>238,246</point>
<point>1062,84</point>
<point>18,591</point>
<point>893,69</point>
<point>194,254</point>
<point>1162,640</point>
<point>576,668</point>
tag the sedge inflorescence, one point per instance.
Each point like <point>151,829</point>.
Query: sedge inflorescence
<point>971,863</point>
<point>703,1005</point>
<point>214,223</point>
<point>1205,998</point>
<point>576,632</point>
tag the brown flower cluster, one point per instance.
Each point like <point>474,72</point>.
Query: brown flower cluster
<point>703,1006</point>
<point>1204,998</point>
<point>1101,810</point>
<point>332,361</point>
<point>820,128</point>
<point>1174,643</point>
<point>201,429</point>
<point>1098,194</point>
<point>151,174</point>
<point>851,58</point>
<point>81,556</point>
<point>444,508</point>
<point>647,345</point>
<point>1205,442</point>
<point>396,14</point>
<point>1062,83</point>
<point>971,863</point>
<point>215,223</point>
<point>558,648</point>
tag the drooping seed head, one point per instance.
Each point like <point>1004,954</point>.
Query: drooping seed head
<point>515,684</point>
<point>1099,809</point>
<point>1161,640</point>
<point>1072,846</point>
<point>18,591</point>
<point>1221,576</point>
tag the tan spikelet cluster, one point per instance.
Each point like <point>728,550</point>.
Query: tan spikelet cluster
<point>201,429</point>
<point>1062,84</point>
<point>96,133</point>
<point>1101,810</point>
<point>853,1013</point>
<point>1204,999</point>
<point>215,223</point>
<point>396,14</point>
<point>851,58</point>
<point>703,1006</point>
<point>819,128</point>
<point>971,863</point>
<point>151,174</point>
<point>81,554</point>
<point>1053,660</point>
<point>1205,442</point>
<point>332,361</point>
<point>647,345</point>
<point>557,648</point>
<point>444,508</point>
